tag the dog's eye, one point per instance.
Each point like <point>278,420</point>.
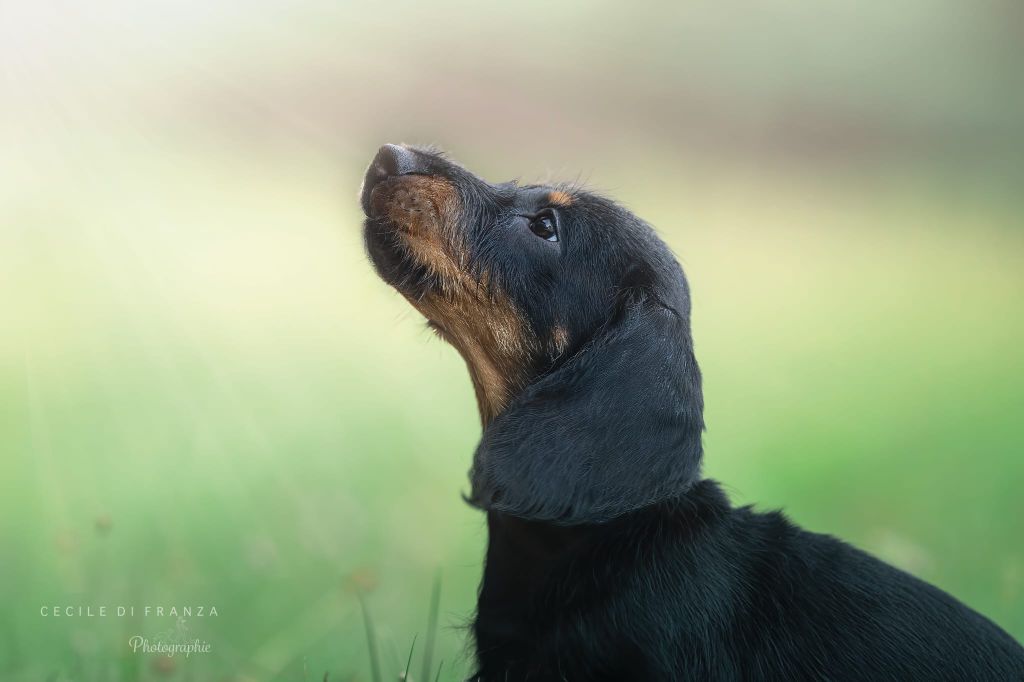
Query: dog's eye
<point>544,227</point>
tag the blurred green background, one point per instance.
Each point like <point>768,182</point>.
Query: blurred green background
<point>207,398</point>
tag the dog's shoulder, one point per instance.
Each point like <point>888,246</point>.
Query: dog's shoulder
<point>712,591</point>
<point>808,599</point>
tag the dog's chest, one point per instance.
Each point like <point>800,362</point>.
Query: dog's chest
<point>536,606</point>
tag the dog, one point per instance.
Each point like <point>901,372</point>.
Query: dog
<point>609,556</point>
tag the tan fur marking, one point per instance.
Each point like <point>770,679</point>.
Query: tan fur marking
<point>481,322</point>
<point>560,198</point>
<point>492,338</point>
<point>419,206</point>
<point>559,338</point>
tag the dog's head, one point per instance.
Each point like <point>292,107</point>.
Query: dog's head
<point>573,318</point>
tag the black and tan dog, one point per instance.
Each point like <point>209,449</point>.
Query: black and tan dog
<point>609,557</point>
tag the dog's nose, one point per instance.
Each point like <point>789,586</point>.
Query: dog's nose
<point>391,160</point>
<point>394,159</point>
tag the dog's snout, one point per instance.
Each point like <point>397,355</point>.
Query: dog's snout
<point>395,160</point>
<point>391,160</point>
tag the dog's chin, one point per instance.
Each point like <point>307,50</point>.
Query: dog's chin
<point>391,260</point>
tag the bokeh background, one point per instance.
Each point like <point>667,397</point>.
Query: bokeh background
<point>206,397</point>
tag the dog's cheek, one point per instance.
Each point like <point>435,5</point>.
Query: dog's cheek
<point>429,252</point>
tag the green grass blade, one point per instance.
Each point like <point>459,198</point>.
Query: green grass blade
<point>371,641</point>
<point>408,661</point>
<point>432,619</point>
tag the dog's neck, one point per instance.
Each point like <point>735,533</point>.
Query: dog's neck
<point>521,555</point>
<point>537,569</point>
<point>536,540</point>
<point>497,360</point>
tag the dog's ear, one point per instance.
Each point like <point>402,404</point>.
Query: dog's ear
<point>614,429</point>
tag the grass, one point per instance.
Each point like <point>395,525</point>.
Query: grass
<point>206,398</point>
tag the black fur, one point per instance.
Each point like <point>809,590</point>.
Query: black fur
<point>609,557</point>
